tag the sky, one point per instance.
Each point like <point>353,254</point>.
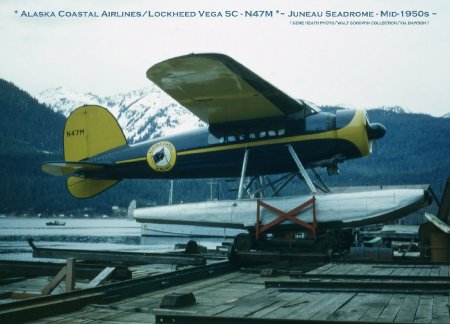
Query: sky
<point>360,66</point>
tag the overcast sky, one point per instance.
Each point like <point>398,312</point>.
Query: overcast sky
<point>359,66</point>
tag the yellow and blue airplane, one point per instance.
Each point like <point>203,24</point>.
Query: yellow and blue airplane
<point>253,129</point>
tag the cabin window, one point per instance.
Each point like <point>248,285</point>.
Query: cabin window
<point>215,139</point>
<point>231,138</point>
<point>245,135</point>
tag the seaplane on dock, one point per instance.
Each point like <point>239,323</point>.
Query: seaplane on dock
<point>254,130</point>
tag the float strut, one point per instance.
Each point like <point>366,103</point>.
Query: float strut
<point>302,169</point>
<point>244,169</point>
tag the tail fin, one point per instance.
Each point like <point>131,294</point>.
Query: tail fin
<point>89,131</point>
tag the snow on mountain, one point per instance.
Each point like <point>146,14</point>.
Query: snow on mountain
<point>64,100</point>
<point>394,109</point>
<point>143,114</point>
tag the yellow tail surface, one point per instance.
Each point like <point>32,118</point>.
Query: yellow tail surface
<point>89,131</point>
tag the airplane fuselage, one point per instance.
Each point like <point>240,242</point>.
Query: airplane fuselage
<point>203,153</point>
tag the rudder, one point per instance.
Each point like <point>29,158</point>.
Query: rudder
<point>91,130</point>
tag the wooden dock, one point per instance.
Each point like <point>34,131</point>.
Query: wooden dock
<point>332,293</point>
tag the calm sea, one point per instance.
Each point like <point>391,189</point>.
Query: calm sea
<point>88,234</point>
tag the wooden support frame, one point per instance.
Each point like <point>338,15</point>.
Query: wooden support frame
<point>283,216</point>
<point>101,277</point>
<point>68,272</point>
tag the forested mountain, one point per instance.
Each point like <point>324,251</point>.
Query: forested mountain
<point>415,150</point>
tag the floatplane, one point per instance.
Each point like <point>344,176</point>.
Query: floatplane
<point>254,130</point>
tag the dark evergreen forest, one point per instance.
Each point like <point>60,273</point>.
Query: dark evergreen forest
<point>415,150</point>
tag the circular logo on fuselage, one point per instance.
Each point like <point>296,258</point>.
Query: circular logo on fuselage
<point>161,156</point>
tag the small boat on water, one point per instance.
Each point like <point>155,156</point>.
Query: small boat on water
<point>55,223</point>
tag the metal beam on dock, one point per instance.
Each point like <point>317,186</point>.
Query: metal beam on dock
<point>379,286</point>
<point>13,269</point>
<point>185,318</point>
<point>114,256</point>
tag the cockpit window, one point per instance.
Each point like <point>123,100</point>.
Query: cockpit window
<point>313,108</point>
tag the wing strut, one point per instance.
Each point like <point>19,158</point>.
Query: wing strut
<point>302,170</point>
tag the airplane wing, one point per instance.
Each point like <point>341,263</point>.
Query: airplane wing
<point>217,89</point>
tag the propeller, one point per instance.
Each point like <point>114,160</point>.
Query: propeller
<point>375,131</point>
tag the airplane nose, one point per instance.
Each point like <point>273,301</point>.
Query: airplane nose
<point>375,131</point>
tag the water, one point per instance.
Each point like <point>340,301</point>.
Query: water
<point>86,234</point>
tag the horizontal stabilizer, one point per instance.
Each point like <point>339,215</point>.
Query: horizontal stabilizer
<point>86,188</point>
<point>66,168</point>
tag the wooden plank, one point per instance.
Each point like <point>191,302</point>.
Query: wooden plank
<point>55,281</point>
<point>441,311</point>
<point>101,277</point>
<point>426,271</point>
<point>387,271</point>
<point>408,309</point>
<point>309,310</point>
<point>70,274</point>
<point>297,300</point>
<point>326,268</point>
<point>358,269</point>
<point>226,294</point>
<point>87,315</point>
<point>146,303</point>
<point>390,311</point>
<point>282,300</point>
<point>333,305</point>
<point>376,305</point>
<point>435,271</point>
<point>339,268</point>
<point>354,309</point>
<point>407,271</point>
<point>424,309</point>
<point>249,305</point>
<point>321,269</point>
<point>444,271</point>
<point>416,271</point>
<point>398,271</point>
<point>444,227</point>
<point>129,317</point>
